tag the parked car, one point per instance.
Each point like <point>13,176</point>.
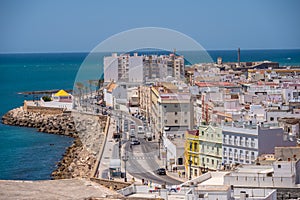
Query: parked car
<point>161,171</point>
<point>135,142</point>
<point>173,188</point>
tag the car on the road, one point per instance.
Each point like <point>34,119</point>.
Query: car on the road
<point>161,171</point>
<point>173,188</point>
<point>135,142</point>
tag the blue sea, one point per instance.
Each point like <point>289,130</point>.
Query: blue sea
<point>26,154</point>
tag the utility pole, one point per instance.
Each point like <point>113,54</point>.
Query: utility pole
<point>159,141</point>
<point>125,159</point>
<point>190,166</point>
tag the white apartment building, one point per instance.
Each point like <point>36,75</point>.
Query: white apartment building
<point>143,68</point>
<point>281,174</point>
<point>123,68</point>
<point>243,143</point>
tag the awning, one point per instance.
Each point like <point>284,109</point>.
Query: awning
<point>115,163</point>
<point>62,93</point>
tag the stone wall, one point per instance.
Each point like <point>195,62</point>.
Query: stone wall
<point>114,185</point>
<point>42,110</point>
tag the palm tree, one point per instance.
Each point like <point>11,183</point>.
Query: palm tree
<point>79,86</point>
<point>91,83</point>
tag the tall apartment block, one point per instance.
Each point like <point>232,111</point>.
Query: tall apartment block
<point>143,68</point>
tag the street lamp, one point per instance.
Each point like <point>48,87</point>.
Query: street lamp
<point>166,158</point>
<point>159,140</point>
<point>125,159</point>
<point>190,166</point>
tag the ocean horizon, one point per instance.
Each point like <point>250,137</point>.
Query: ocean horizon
<point>26,154</point>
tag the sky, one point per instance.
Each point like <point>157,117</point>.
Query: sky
<point>79,26</point>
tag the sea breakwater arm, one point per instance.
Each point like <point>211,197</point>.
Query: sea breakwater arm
<point>88,131</point>
<point>61,124</point>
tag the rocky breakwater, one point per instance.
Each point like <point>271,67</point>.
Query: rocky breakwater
<point>80,157</point>
<point>61,124</point>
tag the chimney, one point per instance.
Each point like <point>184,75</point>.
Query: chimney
<point>239,56</point>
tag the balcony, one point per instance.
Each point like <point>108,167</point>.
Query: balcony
<point>241,157</point>
<point>242,142</point>
<point>236,156</point>
<point>247,144</point>
<point>252,144</point>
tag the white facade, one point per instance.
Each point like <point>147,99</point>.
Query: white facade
<point>136,71</point>
<point>111,68</point>
<point>242,143</point>
<point>282,174</point>
<point>239,145</point>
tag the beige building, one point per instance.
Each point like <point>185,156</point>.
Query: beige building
<point>144,92</point>
<point>171,108</point>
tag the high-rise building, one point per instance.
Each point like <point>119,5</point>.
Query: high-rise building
<point>143,68</point>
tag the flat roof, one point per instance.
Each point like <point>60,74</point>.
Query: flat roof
<point>253,169</point>
<point>207,188</point>
<point>217,179</point>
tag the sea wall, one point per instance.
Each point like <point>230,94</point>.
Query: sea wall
<point>88,131</point>
<point>29,107</point>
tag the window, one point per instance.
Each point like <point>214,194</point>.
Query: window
<point>185,121</point>
<point>166,121</point>
<point>165,106</point>
<point>279,166</point>
<point>176,121</point>
<point>191,144</point>
<point>212,162</point>
<point>195,146</point>
<point>176,106</point>
<point>175,113</point>
<point>271,119</point>
<point>207,160</point>
<point>202,132</point>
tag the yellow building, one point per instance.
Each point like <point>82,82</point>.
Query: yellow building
<point>192,154</point>
<point>62,96</point>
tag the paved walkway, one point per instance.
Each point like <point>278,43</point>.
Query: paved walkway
<point>110,152</point>
<point>55,189</point>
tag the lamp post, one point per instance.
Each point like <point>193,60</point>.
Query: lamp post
<point>159,141</point>
<point>125,159</point>
<point>190,166</point>
<point>166,158</point>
